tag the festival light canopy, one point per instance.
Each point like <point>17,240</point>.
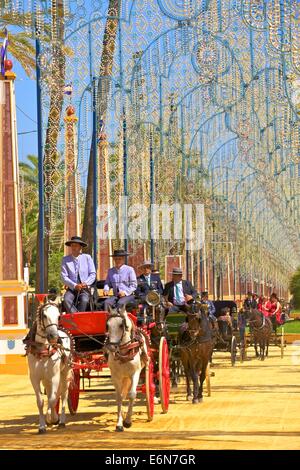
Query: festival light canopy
<point>206,90</point>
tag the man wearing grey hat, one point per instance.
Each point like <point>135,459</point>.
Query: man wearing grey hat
<point>148,280</point>
<point>78,274</point>
<point>178,292</point>
<point>122,279</point>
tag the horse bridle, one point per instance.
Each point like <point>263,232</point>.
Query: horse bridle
<point>125,328</point>
<point>41,318</point>
<point>199,317</point>
<point>261,326</point>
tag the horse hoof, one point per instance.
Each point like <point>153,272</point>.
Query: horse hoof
<point>42,431</point>
<point>61,425</point>
<point>119,428</point>
<point>200,399</point>
<point>189,397</point>
<point>127,424</point>
<point>195,400</point>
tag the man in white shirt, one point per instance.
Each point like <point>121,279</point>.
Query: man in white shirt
<point>78,273</point>
<point>178,292</point>
<point>122,279</point>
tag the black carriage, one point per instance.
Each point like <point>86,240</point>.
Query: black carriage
<point>228,338</point>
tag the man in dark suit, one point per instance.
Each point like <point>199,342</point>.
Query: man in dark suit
<point>148,281</point>
<point>178,292</point>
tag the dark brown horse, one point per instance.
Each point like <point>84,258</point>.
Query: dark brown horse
<point>261,330</point>
<point>195,345</point>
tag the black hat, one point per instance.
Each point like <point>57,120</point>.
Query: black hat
<point>53,290</point>
<point>120,253</point>
<point>204,293</point>
<point>76,240</point>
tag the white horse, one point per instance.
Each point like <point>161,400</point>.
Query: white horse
<point>49,361</point>
<point>127,355</point>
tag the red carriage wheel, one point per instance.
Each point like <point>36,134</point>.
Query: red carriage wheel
<point>164,374</point>
<point>73,395</point>
<point>150,389</point>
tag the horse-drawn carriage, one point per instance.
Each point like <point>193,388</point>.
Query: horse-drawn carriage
<point>177,325</point>
<point>90,348</point>
<point>89,330</point>
<point>227,338</point>
<point>263,332</point>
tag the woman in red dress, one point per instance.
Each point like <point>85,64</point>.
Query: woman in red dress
<point>274,310</point>
<point>261,306</point>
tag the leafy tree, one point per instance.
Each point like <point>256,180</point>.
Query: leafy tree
<point>21,47</point>
<point>28,173</point>
<point>295,288</point>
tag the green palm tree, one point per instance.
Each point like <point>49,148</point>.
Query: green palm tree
<point>28,175</point>
<point>21,46</point>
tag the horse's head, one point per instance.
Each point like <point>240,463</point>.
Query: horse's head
<point>119,327</point>
<point>195,319</point>
<point>254,316</point>
<point>47,324</point>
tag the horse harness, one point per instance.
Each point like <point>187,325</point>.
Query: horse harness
<point>261,326</point>
<point>40,350</point>
<point>126,352</point>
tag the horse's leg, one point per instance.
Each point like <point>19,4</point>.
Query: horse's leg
<point>202,378</point>
<point>64,386</point>
<point>40,403</point>
<point>132,396</point>
<point>121,390</point>
<point>195,379</point>
<point>255,347</point>
<point>187,380</point>
<point>119,427</point>
<point>263,345</point>
<point>52,390</point>
<point>267,347</point>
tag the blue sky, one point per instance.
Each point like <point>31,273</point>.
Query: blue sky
<point>26,102</point>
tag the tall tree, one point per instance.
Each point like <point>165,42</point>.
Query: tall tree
<point>104,83</point>
<point>28,173</point>
<point>56,80</point>
<point>295,288</point>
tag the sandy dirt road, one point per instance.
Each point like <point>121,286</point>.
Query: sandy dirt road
<point>254,405</point>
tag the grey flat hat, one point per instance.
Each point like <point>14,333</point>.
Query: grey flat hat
<point>176,271</point>
<point>146,262</point>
